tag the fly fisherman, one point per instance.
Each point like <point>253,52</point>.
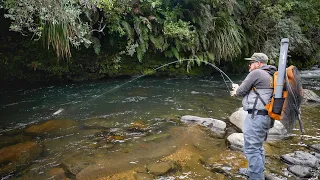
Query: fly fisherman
<point>257,122</point>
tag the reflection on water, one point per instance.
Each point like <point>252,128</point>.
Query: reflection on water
<point>83,134</point>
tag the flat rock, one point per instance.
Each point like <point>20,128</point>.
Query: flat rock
<point>216,126</point>
<point>301,171</point>
<point>301,158</point>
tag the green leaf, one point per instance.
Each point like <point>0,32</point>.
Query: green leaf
<point>175,52</point>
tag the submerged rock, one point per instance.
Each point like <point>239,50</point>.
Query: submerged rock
<point>161,168</point>
<point>143,176</point>
<point>15,157</point>
<point>138,127</point>
<point>75,164</point>
<point>216,126</point>
<point>53,127</point>
<point>9,140</point>
<point>227,162</point>
<point>156,137</point>
<point>301,158</point>
<point>57,173</point>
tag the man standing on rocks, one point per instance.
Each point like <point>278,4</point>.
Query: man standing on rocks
<point>257,122</point>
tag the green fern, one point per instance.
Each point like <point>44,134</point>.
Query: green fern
<point>175,52</point>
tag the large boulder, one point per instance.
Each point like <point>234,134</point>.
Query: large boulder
<point>18,156</point>
<point>216,126</point>
<point>278,131</point>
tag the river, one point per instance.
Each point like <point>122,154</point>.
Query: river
<point>109,119</point>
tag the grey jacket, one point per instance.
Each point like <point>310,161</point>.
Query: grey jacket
<point>262,80</point>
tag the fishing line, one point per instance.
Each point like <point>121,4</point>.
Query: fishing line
<point>152,71</point>
<point>155,69</point>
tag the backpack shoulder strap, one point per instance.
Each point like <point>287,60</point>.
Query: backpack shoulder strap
<point>255,102</point>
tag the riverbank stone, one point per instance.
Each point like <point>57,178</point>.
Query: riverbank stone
<point>18,156</point>
<point>216,126</point>
<point>315,147</point>
<point>310,96</point>
<point>278,132</point>
<point>301,158</point>
<point>236,141</point>
<point>301,171</point>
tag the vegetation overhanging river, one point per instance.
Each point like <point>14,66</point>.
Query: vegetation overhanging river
<point>116,134</point>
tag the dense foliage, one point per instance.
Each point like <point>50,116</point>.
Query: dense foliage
<point>203,30</point>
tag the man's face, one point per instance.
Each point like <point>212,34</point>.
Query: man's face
<point>254,65</point>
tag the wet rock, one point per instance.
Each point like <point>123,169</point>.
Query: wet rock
<point>143,176</point>
<point>56,174</point>
<point>215,125</point>
<point>75,164</point>
<point>278,132</point>
<point>301,158</point>
<point>301,171</point>
<point>161,168</point>
<point>9,140</point>
<point>236,141</point>
<point>310,96</point>
<point>53,127</point>
<point>15,157</point>
<point>315,147</point>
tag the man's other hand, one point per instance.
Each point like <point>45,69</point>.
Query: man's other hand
<point>234,89</point>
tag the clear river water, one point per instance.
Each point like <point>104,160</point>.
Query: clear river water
<point>106,120</point>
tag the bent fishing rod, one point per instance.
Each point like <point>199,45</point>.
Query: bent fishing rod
<point>155,69</point>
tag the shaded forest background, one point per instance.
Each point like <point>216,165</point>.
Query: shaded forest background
<point>92,39</point>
